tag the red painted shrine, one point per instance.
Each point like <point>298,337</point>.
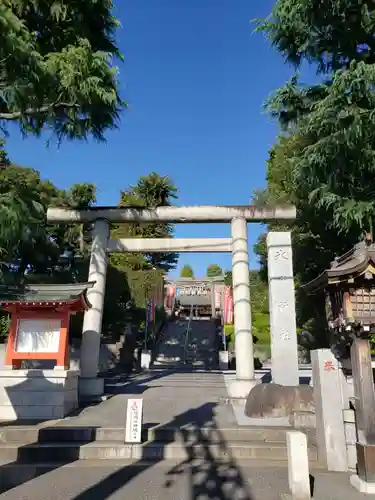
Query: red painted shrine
<point>40,319</point>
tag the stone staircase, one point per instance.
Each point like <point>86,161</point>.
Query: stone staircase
<point>197,350</point>
<point>30,445</point>
<point>185,421</point>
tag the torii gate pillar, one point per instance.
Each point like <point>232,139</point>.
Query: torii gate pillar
<point>90,385</point>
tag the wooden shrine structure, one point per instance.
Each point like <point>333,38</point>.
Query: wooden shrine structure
<point>40,318</point>
<point>349,286</point>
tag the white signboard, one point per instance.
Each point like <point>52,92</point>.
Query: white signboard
<point>38,335</point>
<point>133,432</point>
<point>194,290</point>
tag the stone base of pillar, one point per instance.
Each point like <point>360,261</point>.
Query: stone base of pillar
<point>90,388</point>
<point>362,486</point>
<point>36,394</point>
<point>240,388</point>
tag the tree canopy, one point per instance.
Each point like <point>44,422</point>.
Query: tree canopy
<point>187,271</point>
<point>151,191</point>
<point>31,250</point>
<point>214,270</point>
<point>334,119</point>
<point>324,160</point>
<point>57,68</point>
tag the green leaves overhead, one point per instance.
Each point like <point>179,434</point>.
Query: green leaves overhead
<point>56,67</point>
<point>330,33</point>
<point>335,119</point>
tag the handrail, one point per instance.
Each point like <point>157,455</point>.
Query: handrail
<point>187,333</point>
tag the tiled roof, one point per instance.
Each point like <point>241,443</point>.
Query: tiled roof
<point>43,293</point>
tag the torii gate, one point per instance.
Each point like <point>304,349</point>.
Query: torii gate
<point>237,216</point>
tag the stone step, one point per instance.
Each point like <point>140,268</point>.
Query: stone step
<point>101,450</point>
<point>61,434</point>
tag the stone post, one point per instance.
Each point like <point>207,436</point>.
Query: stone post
<point>245,380</point>
<point>298,465</point>
<point>330,430</point>
<point>90,386</point>
<point>284,349</point>
<point>364,396</point>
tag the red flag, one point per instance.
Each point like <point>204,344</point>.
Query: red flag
<point>228,307</point>
<point>171,290</point>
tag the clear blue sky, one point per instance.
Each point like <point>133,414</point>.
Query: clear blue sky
<point>195,77</point>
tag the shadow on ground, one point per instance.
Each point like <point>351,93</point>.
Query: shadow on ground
<point>210,477</point>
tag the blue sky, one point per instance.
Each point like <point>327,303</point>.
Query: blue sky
<point>195,77</point>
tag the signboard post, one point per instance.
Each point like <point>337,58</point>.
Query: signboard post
<point>133,432</point>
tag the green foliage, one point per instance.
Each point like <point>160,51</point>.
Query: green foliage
<point>151,191</point>
<point>214,270</point>
<point>187,272</point>
<point>32,250</point>
<point>136,277</point>
<point>317,31</point>
<point>324,163</point>
<point>259,307</point>
<point>334,120</point>
<point>56,67</point>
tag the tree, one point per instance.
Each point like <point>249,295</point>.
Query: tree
<point>187,272</point>
<point>214,270</point>
<point>56,67</point>
<point>31,248</point>
<point>324,162</point>
<point>34,251</point>
<point>152,191</point>
<point>334,118</point>
<point>315,241</point>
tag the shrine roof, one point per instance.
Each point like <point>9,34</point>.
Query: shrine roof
<point>348,266</point>
<point>43,295</point>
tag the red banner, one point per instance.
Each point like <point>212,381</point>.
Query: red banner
<point>228,306</point>
<point>171,291</point>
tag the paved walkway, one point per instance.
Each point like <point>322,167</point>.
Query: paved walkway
<point>189,480</point>
<point>173,398</point>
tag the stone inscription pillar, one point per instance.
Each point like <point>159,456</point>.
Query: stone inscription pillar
<point>90,385</point>
<point>242,313</point>
<point>328,396</point>
<point>282,309</point>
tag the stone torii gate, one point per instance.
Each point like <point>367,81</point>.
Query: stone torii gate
<point>283,332</point>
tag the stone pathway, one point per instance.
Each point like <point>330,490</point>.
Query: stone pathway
<point>172,399</point>
<point>169,397</point>
<point>189,480</point>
